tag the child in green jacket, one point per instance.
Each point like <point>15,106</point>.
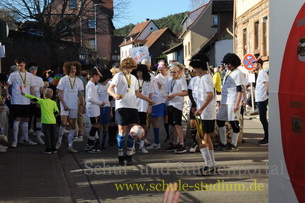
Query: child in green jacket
<point>49,111</point>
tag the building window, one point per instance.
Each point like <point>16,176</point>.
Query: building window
<point>72,4</point>
<point>215,21</point>
<point>245,47</point>
<point>91,43</point>
<point>256,35</point>
<point>189,48</point>
<point>265,36</point>
<point>185,50</point>
<point>91,23</point>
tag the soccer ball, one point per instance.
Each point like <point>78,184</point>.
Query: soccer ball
<point>137,132</point>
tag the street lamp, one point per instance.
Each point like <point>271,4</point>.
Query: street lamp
<point>95,28</point>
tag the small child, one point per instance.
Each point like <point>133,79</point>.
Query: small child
<point>49,111</point>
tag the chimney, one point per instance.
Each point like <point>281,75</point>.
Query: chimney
<point>147,19</point>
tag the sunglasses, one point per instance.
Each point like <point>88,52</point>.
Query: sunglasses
<point>173,72</point>
<point>33,68</point>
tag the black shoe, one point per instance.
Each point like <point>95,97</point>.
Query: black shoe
<point>128,160</point>
<point>231,148</point>
<point>263,142</point>
<point>171,148</point>
<point>220,146</point>
<point>47,151</point>
<point>207,171</point>
<point>122,160</point>
<point>166,139</point>
<point>181,149</point>
<point>94,151</point>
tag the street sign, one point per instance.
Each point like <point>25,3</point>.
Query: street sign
<point>248,61</point>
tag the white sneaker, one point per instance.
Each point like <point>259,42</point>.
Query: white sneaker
<point>3,147</point>
<point>65,131</point>
<point>40,141</point>
<point>3,137</point>
<point>2,150</point>
<point>133,152</point>
<point>154,146</point>
<point>193,149</point>
<point>72,150</point>
<point>58,144</point>
<point>147,142</point>
<point>14,144</point>
<point>29,142</point>
<point>143,151</point>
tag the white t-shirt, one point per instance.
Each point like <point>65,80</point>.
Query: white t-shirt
<point>174,86</point>
<point>159,94</point>
<point>231,80</point>
<point>92,100</point>
<point>260,88</point>
<point>16,81</point>
<point>103,94</point>
<point>70,96</point>
<point>201,87</point>
<point>146,90</point>
<point>121,87</point>
<point>38,84</point>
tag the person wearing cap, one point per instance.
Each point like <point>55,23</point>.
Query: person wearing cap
<point>124,89</point>
<point>230,104</point>
<point>261,97</point>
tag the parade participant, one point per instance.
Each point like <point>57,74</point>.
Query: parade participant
<point>203,94</point>
<point>230,104</point>
<point>176,89</point>
<point>49,111</point>
<point>193,105</point>
<point>261,98</point>
<point>69,93</point>
<point>93,111</point>
<point>159,109</point>
<point>124,88</point>
<point>21,106</point>
<point>35,110</point>
<point>105,111</point>
<point>144,109</point>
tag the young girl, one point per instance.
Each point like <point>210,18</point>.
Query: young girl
<point>106,113</point>
<point>159,109</point>
<point>203,93</point>
<point>144,109</point>
<point>177,89</point>
<point>124,88</point>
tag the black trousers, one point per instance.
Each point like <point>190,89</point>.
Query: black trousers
<point>49,131</point>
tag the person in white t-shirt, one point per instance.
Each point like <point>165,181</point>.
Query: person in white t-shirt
<point>230,104</point>
<point>176,91</point>
<point>93,104</point>
<point>106,113</point>
<point>124,88</point>
<point>69,93</point>
<point>36,112</point>
<point>159,109</point>
<point>144,108</point>
<point>261,98</point>
<point>21,106</point>
<point>204,96</point>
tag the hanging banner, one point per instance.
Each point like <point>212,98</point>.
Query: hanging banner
<point>139,53</point>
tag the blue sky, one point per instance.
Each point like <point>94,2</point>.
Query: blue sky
<point>139,10</point>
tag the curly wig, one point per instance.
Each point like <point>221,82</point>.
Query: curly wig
<point>231,59</point>
<point>69,64</point>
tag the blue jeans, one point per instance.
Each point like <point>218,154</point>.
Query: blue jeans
<point>262,110</point>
